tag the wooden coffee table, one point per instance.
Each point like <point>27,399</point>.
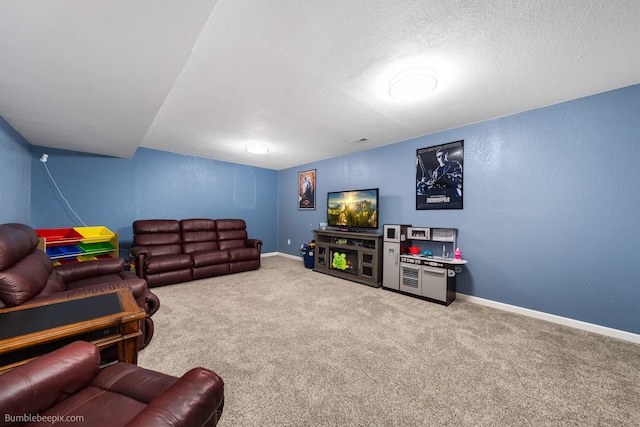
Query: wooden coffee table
<point>105,319</point>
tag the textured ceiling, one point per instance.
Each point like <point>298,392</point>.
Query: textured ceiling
<point>206,77</point>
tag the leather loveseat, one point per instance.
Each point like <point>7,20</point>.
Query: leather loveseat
<point>171,251</point>
<point>67,386</point>
<point>27,275</point>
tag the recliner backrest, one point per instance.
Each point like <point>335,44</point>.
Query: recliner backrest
<point>24,269</point>
<point>160,236</point>
<point>199,234</point>
<point>44,382</point>
<point>232,233</point>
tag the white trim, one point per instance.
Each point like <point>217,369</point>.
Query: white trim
<point>578,324</point>
<point>590,327</point>
<point>299,258</point>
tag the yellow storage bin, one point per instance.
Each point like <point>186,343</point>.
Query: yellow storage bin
<point>94,248</point>
<point>95,234</point>
<point>86,258</point>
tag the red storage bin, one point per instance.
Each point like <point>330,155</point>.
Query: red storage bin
<point>59,236</point>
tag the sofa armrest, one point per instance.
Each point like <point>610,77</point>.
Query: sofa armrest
<point>76,271</point>
<point>137,251</point>
<point>194,400</point>
<point>151,303</point>
<point>42,383</point>
<point>139,254</point>
<point>253,243</point>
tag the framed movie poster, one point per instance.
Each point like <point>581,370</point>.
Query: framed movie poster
<point>307,190</point>
<point>439,176</point>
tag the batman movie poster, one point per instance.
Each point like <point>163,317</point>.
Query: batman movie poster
<point>439,176</point>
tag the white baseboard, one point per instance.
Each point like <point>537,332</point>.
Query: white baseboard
<point>578,324</point>
<point>590,327</point>
<point>283,254</point>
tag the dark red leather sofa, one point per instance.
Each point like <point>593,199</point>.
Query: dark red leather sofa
<point>169,251</point>
<point>27,275</point>
<point>69,383</point>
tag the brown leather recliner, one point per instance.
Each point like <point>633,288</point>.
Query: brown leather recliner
<point>27,275</point>
<point>69,383</point>
<point>170,251</point>
<point>157,252</point>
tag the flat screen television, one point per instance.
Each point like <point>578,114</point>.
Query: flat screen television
<point>353,209</point>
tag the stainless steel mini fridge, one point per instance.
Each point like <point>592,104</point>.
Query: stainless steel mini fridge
<point>393,244</point>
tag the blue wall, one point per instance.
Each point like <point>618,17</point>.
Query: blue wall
<point>153,184</point>
<point>550,201</point>
<point>550,219</point>
<point>15,176</point>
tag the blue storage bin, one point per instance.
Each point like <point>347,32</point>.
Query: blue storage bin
<point>70,249</point>
<point>55,251</point>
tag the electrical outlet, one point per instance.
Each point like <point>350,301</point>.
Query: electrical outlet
<point>288,241</point>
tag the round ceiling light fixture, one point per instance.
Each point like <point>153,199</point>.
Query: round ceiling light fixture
<point>413,83</point>
<point>256,148</point>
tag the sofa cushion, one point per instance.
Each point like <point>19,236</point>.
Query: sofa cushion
<point>96,407</point>
<point>202,258</point>
<point>172,262</point>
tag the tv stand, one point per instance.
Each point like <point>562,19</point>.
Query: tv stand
<point>350,230</point>
<point>355,256</point>
<point>343,230</point>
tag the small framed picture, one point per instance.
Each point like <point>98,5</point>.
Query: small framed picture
<point>307,190</point>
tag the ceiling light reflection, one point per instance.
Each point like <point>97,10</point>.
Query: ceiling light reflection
<point>257,148</point>
<point>413,83</point>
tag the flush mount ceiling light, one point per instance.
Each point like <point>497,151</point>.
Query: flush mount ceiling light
<point>257,148</point>
<point>413,83</point>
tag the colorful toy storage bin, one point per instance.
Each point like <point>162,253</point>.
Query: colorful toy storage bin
<point>64,245</point>
<point>95,234</point>
<point>59,236</point>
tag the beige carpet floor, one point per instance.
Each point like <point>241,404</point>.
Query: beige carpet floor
<point>300,348</point>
